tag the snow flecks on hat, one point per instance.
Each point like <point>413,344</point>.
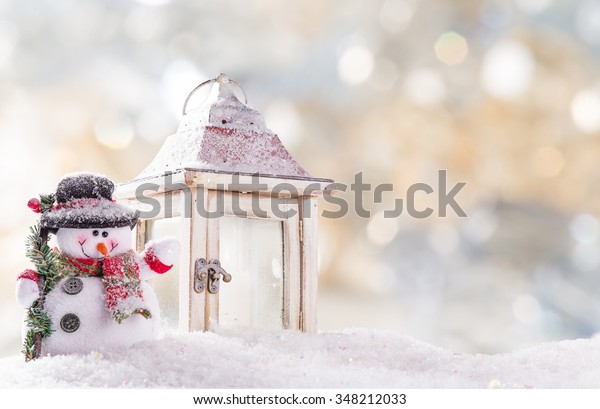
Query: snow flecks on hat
<point>84,200</point>
<point>83,186</point>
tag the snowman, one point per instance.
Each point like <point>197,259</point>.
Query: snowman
<point>101,299</point>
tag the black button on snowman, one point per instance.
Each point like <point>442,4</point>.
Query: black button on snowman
<point>73,285</point>
<point>69,323</point>
<point>101,298</point>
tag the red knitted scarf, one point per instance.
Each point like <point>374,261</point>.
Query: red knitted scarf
<point>121,279</point>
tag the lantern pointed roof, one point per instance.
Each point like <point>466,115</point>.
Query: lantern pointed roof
<point>224,135</point>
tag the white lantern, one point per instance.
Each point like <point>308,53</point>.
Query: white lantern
<point>245,212</point>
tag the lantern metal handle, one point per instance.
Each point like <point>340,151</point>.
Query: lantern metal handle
<point>221,78</point>
<point>215,271</point>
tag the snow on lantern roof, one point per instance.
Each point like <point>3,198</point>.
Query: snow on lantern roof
<point>224,135</point>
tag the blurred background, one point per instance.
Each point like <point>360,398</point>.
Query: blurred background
<point>505,95</point>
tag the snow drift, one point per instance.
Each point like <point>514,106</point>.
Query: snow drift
<point>284,359</point>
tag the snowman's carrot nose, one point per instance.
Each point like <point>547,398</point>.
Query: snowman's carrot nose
<point>102,249</point>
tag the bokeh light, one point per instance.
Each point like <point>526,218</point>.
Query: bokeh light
<point>508,69</point>
<point>114,133</point>
<point>533,6</point>
<point>585,110</point>
<point>153,2</point>
<point>527,309</point>
<point>283,119</point>
<point>451,48</point>
<point>585,229</point>
<point>548,161</point>
<point>355,65</point>
<point>175,85</point>
<point>395,15</point>
<point>380,230</point>
<point>425,87</point>
<point>587,21</point>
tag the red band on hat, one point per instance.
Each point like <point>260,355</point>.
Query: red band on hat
<point>78,203</point>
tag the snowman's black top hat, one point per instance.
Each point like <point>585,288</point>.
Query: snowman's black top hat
<point>84,201</point>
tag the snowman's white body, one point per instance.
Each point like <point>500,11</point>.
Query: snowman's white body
<point>95,328</point>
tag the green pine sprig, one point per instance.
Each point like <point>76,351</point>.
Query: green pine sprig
<point>47,202</point>
<point>39,323</point>
<point>43,258</point>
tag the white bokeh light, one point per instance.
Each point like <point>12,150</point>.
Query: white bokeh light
<point>424,87</point>
<point>480,226</point>
<point>587,21</point>
<point>585,111</point>
<point>154,125</point>
<point>586,257</point>
<point>532,6</point>
<point>381,230</point>
<point>8,41</point>
<point>444,239</point>
<point>281,116</point>
<point>384,76</point>
<point>507,70</point>
<point>153,3</point>
<point>355,65</point>
<point>585,228</point>
<point>527,309</point>
<point>395,15</point>
<point>114,133</point>
<point>179,78</point>
<point>145,24</point>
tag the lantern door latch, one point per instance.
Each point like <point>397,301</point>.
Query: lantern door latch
<point>209,273</point>
<point>200,275</point>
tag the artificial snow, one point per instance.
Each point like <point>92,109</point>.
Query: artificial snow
<point>80,185</point>
<point>285,359</point>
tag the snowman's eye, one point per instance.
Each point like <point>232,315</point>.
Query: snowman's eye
<point>104,234</point>
<point>95,232</point>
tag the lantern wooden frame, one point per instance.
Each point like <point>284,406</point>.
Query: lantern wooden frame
<point>200,237</point>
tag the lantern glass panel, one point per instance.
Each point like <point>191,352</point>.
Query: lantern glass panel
<point>251,250</point>
<point>166,285</point>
